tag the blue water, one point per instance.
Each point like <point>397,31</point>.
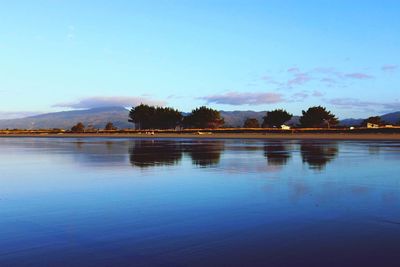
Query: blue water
<point>126,202</point>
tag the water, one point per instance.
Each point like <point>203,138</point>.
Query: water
<point>126,202</point>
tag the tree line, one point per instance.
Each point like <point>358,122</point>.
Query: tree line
<point>151,117</point>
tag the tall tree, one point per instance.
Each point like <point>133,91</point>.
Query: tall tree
<point>203,117</point>
<point>142,115</point>
<point>78,128</point>
<point>276,118</point>
<point>251,123</point>
<point>150,117</point>
<point>110,126</point>
<point>318,117</point>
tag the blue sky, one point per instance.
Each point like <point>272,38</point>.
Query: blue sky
<point>231,55</point>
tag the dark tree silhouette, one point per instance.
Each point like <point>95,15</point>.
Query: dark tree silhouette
<point>374,120</point>
<point>149,117</point>
<point>78,128</point>
<point>142,115</point>
<point>203,117</point>
<point>251,123</point>
<point>110,126</point>
<point>318,117</point>
<point>166,118</point>
<point>276,118</point>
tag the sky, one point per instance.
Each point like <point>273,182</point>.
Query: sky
<point>227,54</point>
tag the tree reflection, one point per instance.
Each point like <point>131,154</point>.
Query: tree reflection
<point>96,152</point>
<point>317,155</point>
<point>205,153</point>
<point>276,153</point>
<point>150,153</point>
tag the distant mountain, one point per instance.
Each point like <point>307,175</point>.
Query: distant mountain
<point>391,118</point>
<point>97,117</point>
<point>350,122</point>
<point>237,118</point>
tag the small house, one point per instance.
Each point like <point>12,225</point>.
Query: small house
<point>372,125</point>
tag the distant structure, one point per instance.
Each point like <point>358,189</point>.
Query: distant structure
<point>285,127</point>
<point>372,125</point>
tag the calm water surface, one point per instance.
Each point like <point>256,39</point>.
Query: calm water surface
<point>126,202</point>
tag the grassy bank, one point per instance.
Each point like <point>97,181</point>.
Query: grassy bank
<point>334,134</point>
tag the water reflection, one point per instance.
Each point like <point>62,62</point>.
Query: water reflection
<point>150,153</point>
<point>277,153</point>
<point>98,152</point>
<point>205,153</point>
<point>145,153</point>
<point>240,212</point>
<point>318,155</point>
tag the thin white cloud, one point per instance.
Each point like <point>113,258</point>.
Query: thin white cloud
<point>109,101</point>
<point>8,115</point>
<point>389,67</point>
<point>354,103</point>
<point>238,98</point>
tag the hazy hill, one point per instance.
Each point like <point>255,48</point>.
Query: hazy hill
<point>237,118</point>
<point>97,117</point>
<point>351,122</point>
<point>393,117</point>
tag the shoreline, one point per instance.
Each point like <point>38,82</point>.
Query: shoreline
<point>265,136</point>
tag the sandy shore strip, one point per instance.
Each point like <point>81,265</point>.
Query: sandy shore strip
<point>301,136</point>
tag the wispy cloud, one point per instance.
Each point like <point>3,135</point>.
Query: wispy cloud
<point>299,78</point>
<point>293,69</point>
<point>303,95</point>
<point>354,103</point>
<point>358,76</point>
<point>270,80</point>
<point>328,81</point>
<point>295,77</point>
<point>108,101</point>
<point>389,67</point>
<point>237,98</point>
<point>299,96</point>
<point>317,94</point>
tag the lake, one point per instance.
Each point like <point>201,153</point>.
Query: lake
<point>181,202</point>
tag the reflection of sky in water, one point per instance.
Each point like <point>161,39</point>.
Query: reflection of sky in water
<point>193,202</point>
